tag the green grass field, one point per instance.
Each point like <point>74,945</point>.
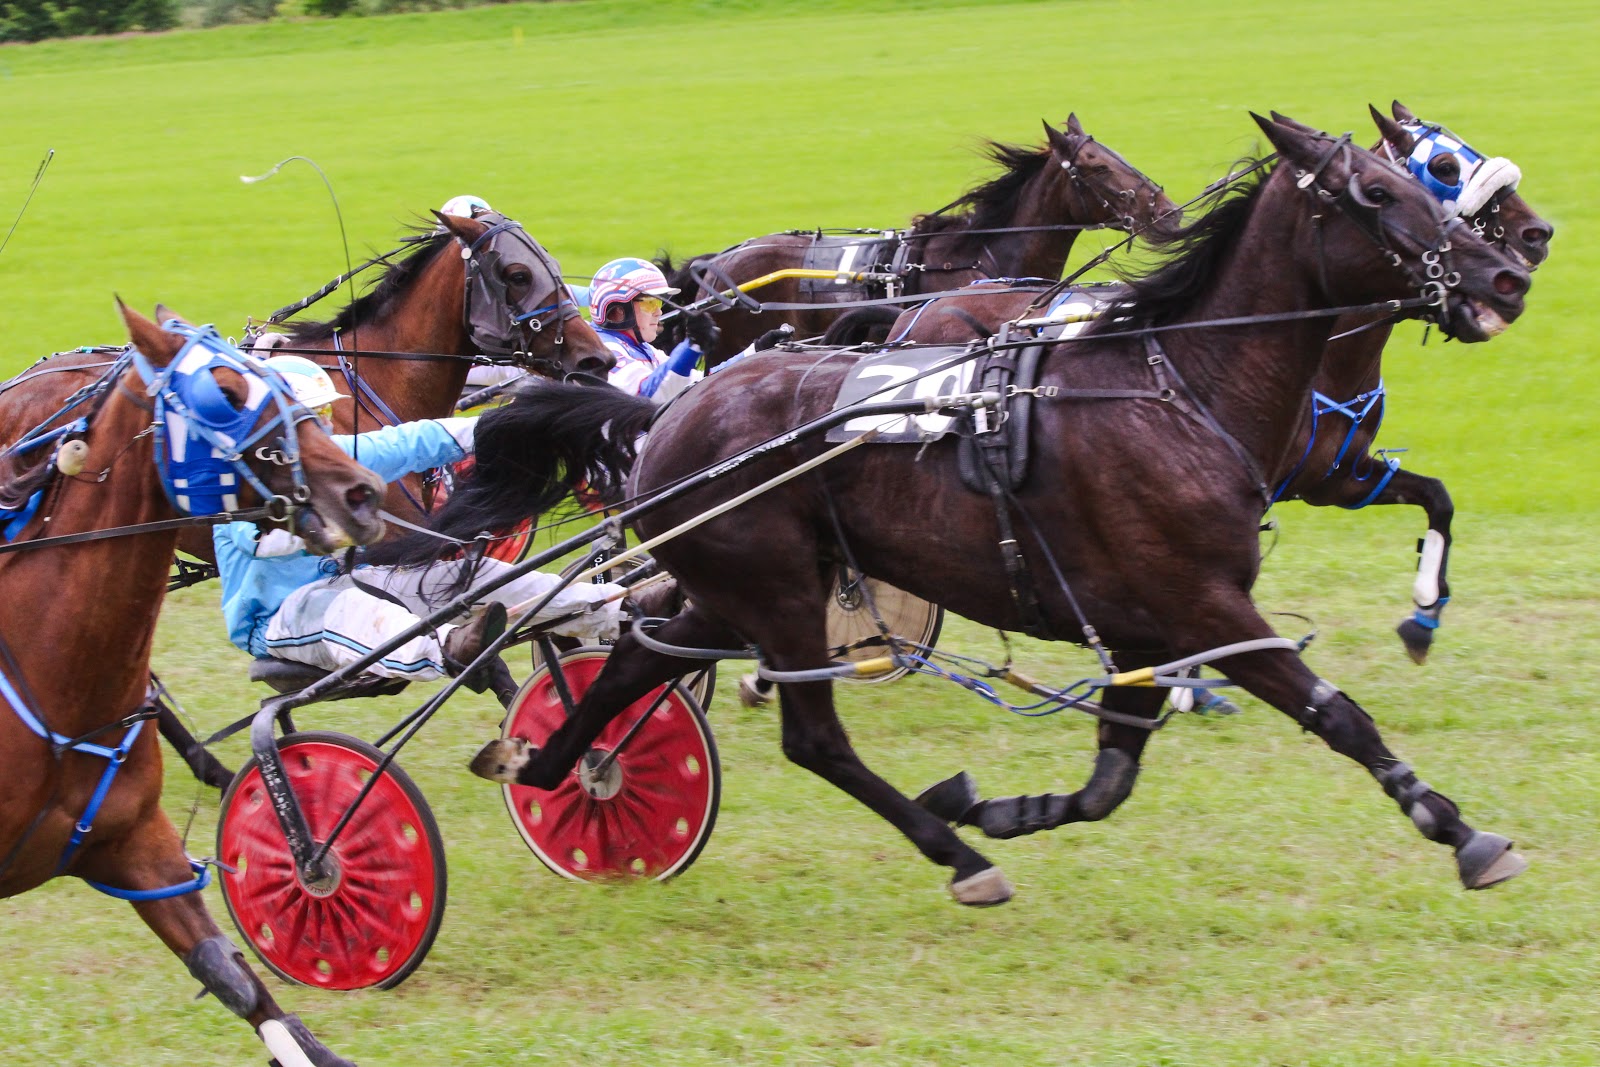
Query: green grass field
<point>1257,901</point>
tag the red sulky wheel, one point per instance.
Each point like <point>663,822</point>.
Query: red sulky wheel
<point>646,815</point>
<point>374,921</point>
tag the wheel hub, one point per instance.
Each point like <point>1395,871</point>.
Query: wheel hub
<point>323,880</point>
<point>600,783</point>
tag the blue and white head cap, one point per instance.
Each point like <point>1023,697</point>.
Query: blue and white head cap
<point>466,206</point>
<point>622,281</point>
<point>1478,178</point>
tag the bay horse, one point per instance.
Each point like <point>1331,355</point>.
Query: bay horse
<point>1330,462</point>
<point>1020,224</point>
<point>1109,505</point>
<point>82,783</point>
<point>471,286</point>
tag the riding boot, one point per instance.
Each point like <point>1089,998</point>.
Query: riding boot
<point>463,645</point>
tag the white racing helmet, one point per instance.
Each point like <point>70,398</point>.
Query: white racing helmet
<point>466,206</point>
<point>310,383</point>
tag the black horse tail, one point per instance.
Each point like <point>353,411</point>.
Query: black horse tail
<point>529,456</point>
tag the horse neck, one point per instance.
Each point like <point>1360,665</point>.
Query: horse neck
<point>429,317</point>
<point>1048,199</point>
<point>1257,379</point>
<point>1353,365</point>
<point>80,619</point>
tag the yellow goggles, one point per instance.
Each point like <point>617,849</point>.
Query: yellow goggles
<point>648,304</point>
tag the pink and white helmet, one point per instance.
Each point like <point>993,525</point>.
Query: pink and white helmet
<point>622,281</point>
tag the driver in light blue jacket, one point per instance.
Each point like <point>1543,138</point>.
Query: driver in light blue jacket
<point>281,602</point>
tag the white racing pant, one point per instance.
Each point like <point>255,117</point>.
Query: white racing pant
<point>330,622</point>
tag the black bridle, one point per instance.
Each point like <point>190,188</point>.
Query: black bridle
<point>1433,281</point>
<point>502,328</point>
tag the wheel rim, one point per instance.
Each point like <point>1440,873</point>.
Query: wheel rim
<point>651,810</point>
<point>372,918</point>
<point>850,620</point>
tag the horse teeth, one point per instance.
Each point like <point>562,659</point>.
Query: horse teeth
<point>1488,320</point>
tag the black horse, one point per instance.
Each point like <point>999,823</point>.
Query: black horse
<point>1330,462</point>
<point>1020,224</point>
<point>1207,410</point>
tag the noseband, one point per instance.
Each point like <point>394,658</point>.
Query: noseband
<point>498,326</point>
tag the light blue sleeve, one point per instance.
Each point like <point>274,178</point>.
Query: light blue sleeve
<point>395,451</point>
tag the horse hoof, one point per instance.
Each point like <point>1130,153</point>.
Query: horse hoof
<point>952,798</point>
<point>982,890</point>
<point>1417,638</point>
<point>501,759</point>
<point>750,694</point>
<point>1486,859</point>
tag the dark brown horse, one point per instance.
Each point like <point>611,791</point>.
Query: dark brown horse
<point>1021,224</point>
<point>76,635</point>
<point>1330,461</point>
<point>1111,500</point>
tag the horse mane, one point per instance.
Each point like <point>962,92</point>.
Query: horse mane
<point>21,477</point>
<point>994,203</point>
<point>397,277</point>
<point>529,455</point>
<point>1190,256</point>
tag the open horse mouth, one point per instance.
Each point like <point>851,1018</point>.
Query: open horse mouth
<point>337,520</point>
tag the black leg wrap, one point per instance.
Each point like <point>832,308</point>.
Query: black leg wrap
<point>952,799</point>
<point>1427,810</point>
<point>1114,774</point>
<point>215,963</point>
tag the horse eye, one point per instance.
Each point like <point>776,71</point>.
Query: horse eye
<point>519,277</point>
<point>1378,194</point>
<point>1445,168</point>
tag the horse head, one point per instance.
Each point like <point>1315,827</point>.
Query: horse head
<point>517,306</point>
<point>1115,191</point>
<point>1374,234</point>
<point>1490,204</point>
<point>231,434</point>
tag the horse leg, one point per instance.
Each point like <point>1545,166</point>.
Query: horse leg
<point>152,857</point>
<point>1282,679</point>
<point>1430,591</point>
<point>1116,767</point>
<point>630,672</point>
<point>814,738</point>
<point>206,767</point>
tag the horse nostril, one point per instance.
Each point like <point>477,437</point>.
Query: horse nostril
<point>1537,235</point>
<point>358,497</point>
<point>1511,283</point>
<point>593,365</point>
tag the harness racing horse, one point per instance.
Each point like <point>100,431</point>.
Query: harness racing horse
<point>1021,224</point>
<point>82,782</point>
<point>402,350</point>
<point>1330,461</point>
<point>1174,408</point>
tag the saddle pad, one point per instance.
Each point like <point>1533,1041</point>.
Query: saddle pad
<point>846,255</point>
<point>888,375</point>
<point>1072,309</point>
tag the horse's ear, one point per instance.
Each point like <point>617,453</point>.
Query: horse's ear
<point>165,315</point>
<point>1285,120</point>
<point>157,345</point>
<point>1292,140</point>
<point>467,230</point>
<point>1396,135</point>
<point>1059,142</point>
<point>1401,112</point>
<point>1073,125</point>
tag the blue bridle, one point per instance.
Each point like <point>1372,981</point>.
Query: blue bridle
<point>203,439</point>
